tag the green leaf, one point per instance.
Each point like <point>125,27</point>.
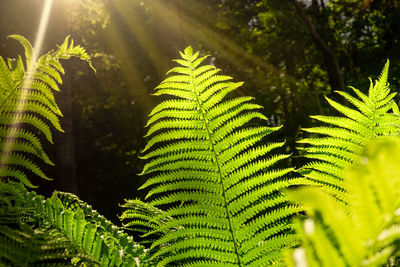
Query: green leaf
<point>217,185</point>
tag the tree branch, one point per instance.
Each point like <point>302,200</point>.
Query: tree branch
<point>321,43</point>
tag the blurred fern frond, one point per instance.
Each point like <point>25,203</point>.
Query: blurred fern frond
<point>365,232</point>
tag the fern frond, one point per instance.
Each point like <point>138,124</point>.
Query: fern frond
<point>217,185</point>
<point>66,230</point>
<point>85,228</point>
<point>339,144</point>
<point>364,232</point>
<point>28,49</point>
<point>6,80</point>
<point>28,108</point>
<point>28,247</point>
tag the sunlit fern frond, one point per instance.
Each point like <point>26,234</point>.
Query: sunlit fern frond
<point>340,143</point>
<point>24,246</point>
<point>211,174</point>
<point>61,226</point>
<point>108,229</point>
<point>365,232</point>
<point>28,108</point>
<point>84,227</point>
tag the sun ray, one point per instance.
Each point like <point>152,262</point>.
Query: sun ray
<point>44,19</point>
<point>145,39</point>
<point>235,54</point>
<point>114,39</point>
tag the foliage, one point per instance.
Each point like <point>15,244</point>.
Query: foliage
<point>340,143</point>
<point>95,235</point>
<point>147,223</point>
<point>366,32</point>
<point>217,183</point>
<point>27,99</point>
<point>366,231</point>
<point>361,34</point>
<point>132,53</point>
<point>25,246</point>
<point>140,217</point>
<point>70,228</point>
<point>214,186</point>
<point>35,230</point>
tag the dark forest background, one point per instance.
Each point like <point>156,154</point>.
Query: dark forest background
<point>289,53</point>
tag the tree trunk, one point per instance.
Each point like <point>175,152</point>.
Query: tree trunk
<point>64,142</point>
<point>331,61</point>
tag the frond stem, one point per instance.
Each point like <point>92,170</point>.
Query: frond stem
<point>200,106</point>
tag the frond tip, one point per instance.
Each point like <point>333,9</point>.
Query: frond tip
<point>222,194</point>
<point>28,108</point>
<point>340,143</point>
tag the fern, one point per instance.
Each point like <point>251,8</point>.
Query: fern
<point>209,173</point>
<point>67,221</point>
<point>83,226</point>
<point>27,107</point>
<point>28,247</point>
<point>62,229</point>
<point>366,232</point>
<point>144,220</point>
<point>340,143</point>
<point>139,217</point>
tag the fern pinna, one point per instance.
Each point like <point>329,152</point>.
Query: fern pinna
<point>340,144</point>
<point>138,217</point>
<point>211,175</point>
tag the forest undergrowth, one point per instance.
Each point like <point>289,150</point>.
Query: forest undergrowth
<point>217,194</point>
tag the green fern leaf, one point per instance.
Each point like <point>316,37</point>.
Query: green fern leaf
<point>339,144</point>
<point>84,227</point>
<point>27,102</point>
<point>220,192</point>
<point>6,80</point>
<point>28,247</point>
<point>27,47</point>
<point>67,231</point>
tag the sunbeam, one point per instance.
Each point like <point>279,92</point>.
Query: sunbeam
<point>44,19</point>
<point>234,53</point>
<point>114,39</point>
<point>143,36</point>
